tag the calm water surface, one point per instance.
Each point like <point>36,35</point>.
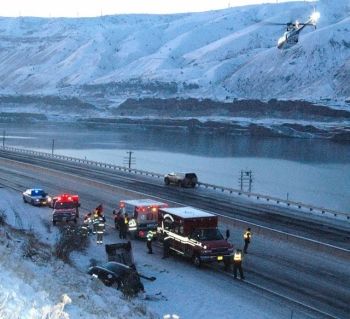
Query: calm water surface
<point>312,171</point>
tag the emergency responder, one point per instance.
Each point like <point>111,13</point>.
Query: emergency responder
<point>237,263</point>
<point>117,217</point>
<point>95,221</point>
<point>247,236</point>
<point>121,222</point>
<point>149,241</point>
<point>84,230</point>
<point>88,222</point>
<point>166,246</point>
<point>100,230</point>
<point>124,226</point>
<point>99,210</point>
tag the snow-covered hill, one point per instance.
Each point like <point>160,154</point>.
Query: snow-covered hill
<point>220,55</point>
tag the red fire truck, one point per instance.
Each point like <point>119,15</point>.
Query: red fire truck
<point>65,208</point>
<point>143,215</point>
<point>194,234</point>
<point>53,199</point>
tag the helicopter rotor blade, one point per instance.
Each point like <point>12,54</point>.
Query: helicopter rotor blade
<point>276,23</point>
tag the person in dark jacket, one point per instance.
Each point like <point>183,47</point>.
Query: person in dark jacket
<point>124,225</point>
<point>247,237</point>
<point>166,247</point>
<point>149,241</point>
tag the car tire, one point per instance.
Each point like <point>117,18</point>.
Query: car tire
<point>54,222</point>
<point>32,202</point>
<point>166,181</point>
<point>24,200</point>
<point>196,261</point>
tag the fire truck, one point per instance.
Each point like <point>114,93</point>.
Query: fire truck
<point>194,234</point>
<point>53,199</point>
<point>143,215</point>
<point>65,208</point>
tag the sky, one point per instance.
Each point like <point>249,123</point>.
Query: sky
<point>90,8</point>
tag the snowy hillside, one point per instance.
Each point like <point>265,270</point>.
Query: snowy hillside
<point>219,55</point>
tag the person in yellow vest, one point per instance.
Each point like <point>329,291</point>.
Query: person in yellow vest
<point>237,263</point>
<point>247,236</point>
<point>95,221</point>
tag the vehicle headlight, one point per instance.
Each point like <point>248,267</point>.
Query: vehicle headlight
<point>37,199</point>
<point>49,199</point>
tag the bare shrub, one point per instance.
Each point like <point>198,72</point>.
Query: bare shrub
<point>47,224</point>
<point>71,238</point>
<point>3,217</point>
<point>34,250</point>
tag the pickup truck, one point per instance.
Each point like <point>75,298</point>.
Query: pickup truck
<point>181,179</point>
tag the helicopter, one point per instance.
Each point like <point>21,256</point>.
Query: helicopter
<point>291,36</point>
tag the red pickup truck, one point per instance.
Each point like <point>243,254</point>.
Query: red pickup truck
<point>194,234</point>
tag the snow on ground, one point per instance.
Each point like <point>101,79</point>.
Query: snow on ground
<point>34,289</point>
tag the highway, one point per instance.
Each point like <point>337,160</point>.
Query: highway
<point>315,279</point>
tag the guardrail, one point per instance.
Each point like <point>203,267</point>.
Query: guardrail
<point>288,203</point>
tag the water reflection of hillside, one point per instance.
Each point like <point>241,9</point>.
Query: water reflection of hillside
<point>176,141</point>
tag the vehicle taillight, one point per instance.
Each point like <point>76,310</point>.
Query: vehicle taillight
<point>154,209</point>
<point>122,205</point>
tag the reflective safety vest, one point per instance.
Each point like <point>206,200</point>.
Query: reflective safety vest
<point>100,228</point>
<point>247,235</point>
<point>237,256</point>
<point>150,235</point>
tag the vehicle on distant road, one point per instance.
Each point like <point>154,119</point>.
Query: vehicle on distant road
<point>194,234</point>
<point>181,179</point>
<point>36,197</point>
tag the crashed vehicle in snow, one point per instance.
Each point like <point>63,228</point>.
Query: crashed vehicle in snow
<point>120,270</point>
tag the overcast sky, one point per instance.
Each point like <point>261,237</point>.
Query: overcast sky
<point>88,8</point>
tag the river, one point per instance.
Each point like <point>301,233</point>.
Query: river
<point>313,171</point>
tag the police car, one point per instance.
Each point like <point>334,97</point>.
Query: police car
<point>36,197</point>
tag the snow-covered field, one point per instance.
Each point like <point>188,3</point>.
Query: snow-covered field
<point>221,55</point>
<point>44,287</point>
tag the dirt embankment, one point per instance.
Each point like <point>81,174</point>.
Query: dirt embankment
<point>299,110</point>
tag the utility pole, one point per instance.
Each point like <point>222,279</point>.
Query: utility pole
<point>246,180</point>
<point>129,160</point>
<point>3,138</point>
<point>53,146</point>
